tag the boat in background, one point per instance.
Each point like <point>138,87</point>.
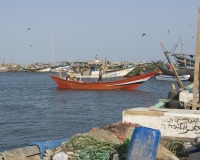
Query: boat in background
<point>43,70</point>
<point>60,69</point>
<point>184,59</point>
<point>172,78</point>
<point>114,74</point>
<point>43,67</point>
<point>3,69</point>
<point>125,83</point>
<point>181,71</point>
<point>144,67</point>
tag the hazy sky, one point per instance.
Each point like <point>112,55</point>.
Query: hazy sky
<point>85,28</point>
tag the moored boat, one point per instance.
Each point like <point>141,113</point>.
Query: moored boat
<point>43,70</point>
<point>3,69</point>
<point>126,83</point>
<point>172,78</point>
<point>36,68</point>
<point>145,67</point>
<point>113,74</point>
<point>181,71</point>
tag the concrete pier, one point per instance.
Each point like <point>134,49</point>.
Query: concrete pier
<point>171,122</point>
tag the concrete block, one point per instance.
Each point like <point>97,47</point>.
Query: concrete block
<point>171,122</point>
<point>186,96</point>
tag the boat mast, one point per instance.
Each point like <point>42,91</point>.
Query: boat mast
<point>196,104</point>
<point>179,82</point>
<point>182,45</point>
<point>52,49</point>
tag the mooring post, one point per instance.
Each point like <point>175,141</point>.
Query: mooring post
<point>195,104</point>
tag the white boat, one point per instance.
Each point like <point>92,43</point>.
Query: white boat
<point>3,69</point>
<point>43,70</point>
<point>115,74</point>
<point>60,69</point>
<point>172,78</point>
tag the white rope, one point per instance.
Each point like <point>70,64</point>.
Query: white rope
<point>2,156</point>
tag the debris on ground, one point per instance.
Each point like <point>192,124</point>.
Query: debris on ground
<point>110,141</point>
<point>114,133</point>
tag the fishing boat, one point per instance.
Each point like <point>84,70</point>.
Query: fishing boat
<point>172,78</point>
<point>144,67</point>
<point>111,74</point>
<point>184,60</point>
<point>3,69</point>
<point>181,71</point>
<point>43,69</point>
<point>125,83</point>
<point>60,69</point>
<point>35,68</point>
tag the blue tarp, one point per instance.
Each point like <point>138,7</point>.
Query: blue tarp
<point>44,145</point>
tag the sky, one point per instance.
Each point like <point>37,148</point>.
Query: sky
<point>77,30</point>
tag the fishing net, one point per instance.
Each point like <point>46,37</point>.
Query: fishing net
<point>89,148</point>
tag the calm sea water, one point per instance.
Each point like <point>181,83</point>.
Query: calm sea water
<point>32,108</point>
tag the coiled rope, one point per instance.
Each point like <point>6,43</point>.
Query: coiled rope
<point>123,148</point>
<point>89,148</point>
<point>177,148</point>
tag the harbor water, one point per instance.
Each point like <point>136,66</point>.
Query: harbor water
<point>32,108</point>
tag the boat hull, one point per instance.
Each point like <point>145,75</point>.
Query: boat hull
<point>172,78</point>
<point>43,70</point>
<point>127,83</point>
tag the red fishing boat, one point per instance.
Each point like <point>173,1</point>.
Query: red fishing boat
<point>126,83</point>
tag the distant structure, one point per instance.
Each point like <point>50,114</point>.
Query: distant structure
<point>96,58</point>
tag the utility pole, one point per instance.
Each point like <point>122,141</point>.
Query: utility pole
<point>196,104</point>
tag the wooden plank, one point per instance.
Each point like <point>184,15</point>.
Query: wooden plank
<point>196,69</point>
<point>179,82</point>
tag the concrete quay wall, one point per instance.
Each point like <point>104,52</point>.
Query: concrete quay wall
<point>171,122</point>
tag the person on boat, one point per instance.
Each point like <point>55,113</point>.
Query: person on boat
<point>144,71</point>
<point>141,72</point>
<point>71,75</point>
<point>67,77</point>
<point>82,70</point>
<point>100,75</point>
<point>59,74</point>
<point>91,69</point>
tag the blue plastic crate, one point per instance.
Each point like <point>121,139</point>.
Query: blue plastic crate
<point>144,144</point>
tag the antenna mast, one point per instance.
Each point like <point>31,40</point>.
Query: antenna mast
<point>52,48</point>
